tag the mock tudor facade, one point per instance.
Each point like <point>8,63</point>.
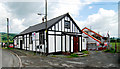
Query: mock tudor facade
<point>62,35</point>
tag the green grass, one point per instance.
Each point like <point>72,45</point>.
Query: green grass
<point>110,51</point>
<point>85,52</point>
<point>72,55</point>
<point>7,48</point>
<point>113,46</point>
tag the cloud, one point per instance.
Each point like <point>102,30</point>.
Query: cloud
<point>90,7</point>
<point>25,13</point>
<point>103,21</point>
<point>4,14</point>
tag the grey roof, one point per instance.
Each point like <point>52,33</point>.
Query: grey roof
<point>42,26</point>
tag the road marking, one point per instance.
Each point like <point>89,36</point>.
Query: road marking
<point>74,62</point>
<point>20,62</point>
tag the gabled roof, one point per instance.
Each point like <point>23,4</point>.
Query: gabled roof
<point>42,26</point>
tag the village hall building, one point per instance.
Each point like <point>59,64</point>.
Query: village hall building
<point>62,35</point>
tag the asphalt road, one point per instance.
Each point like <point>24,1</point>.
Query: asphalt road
<point>0,57</point>
<point>9,60</point>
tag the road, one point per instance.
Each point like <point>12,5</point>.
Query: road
<point>95,59</point>
<point>8,59</point>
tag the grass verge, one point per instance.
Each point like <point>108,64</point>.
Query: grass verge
<point>85,52</point>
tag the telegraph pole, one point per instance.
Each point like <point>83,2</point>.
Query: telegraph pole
<point>46,24</point>
<point>45,47</point>
<point>8,32</point>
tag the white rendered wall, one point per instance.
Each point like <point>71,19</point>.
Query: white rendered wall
<point>63,43</point>
<point>79,43</point>
<point>58,43</point>
<point>34,46</point>
<point>84,44</point>
<point>25,41</point>
<point>50,32</point>
<point>71,43</point>
<point>51,43</point>
<point>18,41</point>
<point>30,47</point>
<point>67,43</point>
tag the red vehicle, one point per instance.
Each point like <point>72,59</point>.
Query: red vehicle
<point>11,45</point>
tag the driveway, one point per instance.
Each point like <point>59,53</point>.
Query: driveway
<point>95,59</point>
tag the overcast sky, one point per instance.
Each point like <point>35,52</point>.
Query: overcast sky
<point>100,15</point>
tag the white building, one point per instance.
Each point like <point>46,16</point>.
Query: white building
<point>62,35</point>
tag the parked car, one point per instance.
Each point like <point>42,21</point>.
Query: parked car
<point>100,48</point>
<point>11,45</point>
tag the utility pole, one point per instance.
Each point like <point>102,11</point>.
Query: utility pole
<point>46,24</point>
<point>45,47</point>
<point>8,32</point>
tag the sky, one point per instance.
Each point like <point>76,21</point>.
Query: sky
<point>99,15</point>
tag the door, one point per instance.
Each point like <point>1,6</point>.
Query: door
<point>20,44</point>
<point>75,41</point>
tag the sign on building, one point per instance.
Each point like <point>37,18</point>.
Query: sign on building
<point>33,36</point>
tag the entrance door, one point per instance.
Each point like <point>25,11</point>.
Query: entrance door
<point>75,44</point>
<point>20,44</point>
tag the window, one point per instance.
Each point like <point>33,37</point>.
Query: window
<point>23,40</point>
<point>41,38</point>
<point>83,40</point>
<point>67,24</point>
<point>30,36</point>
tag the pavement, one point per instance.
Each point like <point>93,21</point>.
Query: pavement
<point>9,59</point>
<point>95,59</point>
<point>0,57</point>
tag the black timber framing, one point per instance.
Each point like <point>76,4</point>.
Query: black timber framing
<point>32,44</point>
<point>62,30</point>
<point>26,42</point>
<point>23,40</point>
<point>55,23</point>
<point>29,41</point>
<point>39,37</point>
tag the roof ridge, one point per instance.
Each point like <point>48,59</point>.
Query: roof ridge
<point>41,26</point>
<point>50,19</point>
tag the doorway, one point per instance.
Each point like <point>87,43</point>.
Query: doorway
<point>21,44</point>
<point>75,42</point>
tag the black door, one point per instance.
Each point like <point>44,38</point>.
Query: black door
<point>20,44</point>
